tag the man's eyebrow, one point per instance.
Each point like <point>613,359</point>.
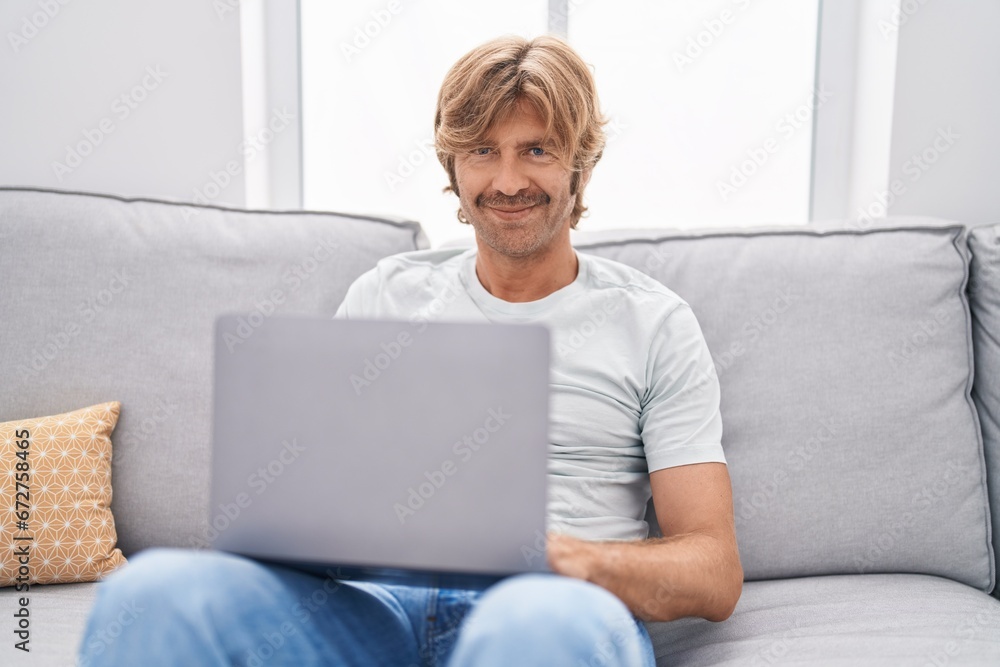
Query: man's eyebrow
<point>531,143</point>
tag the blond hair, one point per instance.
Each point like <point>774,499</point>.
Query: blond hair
<point>486,85</point>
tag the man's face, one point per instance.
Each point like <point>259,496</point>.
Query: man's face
<point>513,190</point>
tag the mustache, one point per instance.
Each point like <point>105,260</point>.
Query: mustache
<point>498,200</point>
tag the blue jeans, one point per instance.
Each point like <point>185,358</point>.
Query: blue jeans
<point>179,607</point>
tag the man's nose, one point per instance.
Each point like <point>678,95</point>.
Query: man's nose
<point>510,177</point>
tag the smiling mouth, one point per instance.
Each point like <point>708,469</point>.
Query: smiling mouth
<point>512,208</point>
<point>512,214</point>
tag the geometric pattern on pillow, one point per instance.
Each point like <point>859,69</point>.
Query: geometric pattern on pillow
<point>55,498</point>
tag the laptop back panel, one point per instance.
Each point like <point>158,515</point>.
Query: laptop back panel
<point>382,445</point>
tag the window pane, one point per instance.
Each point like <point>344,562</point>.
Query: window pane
<point>710,106</point>
<point>370,80</point>
<point>700,93</point>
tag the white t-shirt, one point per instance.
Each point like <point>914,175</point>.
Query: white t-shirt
<point>633,387</point>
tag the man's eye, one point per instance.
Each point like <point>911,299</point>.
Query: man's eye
<point>481,151</point>
<point>537,151</point>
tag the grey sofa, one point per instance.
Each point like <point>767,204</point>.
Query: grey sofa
<point>860,373</point>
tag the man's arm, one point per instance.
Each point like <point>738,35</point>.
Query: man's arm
<point>693,570</point>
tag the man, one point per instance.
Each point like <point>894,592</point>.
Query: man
<point>634,412</point>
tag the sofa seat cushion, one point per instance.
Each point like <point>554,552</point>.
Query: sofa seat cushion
<point>877,619</point>
<point>58,616</point>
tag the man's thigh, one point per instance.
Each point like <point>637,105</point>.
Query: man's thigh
<point>217,608</point>
<point>551,619</point>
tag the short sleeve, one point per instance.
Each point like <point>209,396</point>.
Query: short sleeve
<point>359,295</point>
<point>680,422</point>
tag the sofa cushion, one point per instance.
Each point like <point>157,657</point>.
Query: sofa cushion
<point>108,297</point>
<point>58,617</point>
<point>62,466</point>
<point>984,295</point>
<point>846,368</point>
<point>889,619</point>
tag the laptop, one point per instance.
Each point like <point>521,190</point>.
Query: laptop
<point>382,449</point>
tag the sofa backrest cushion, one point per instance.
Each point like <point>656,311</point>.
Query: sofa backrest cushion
<point>845,362</point>
<point>108,299</point>
<point>984,295</point>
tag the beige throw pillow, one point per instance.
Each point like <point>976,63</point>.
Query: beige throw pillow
<point>55,498</point>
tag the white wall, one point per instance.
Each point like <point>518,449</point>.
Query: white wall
<point>947,76</point>
<point>62,78</point>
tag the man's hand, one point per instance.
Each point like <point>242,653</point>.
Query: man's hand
<point>694,570</point>
<point>570,556</point>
